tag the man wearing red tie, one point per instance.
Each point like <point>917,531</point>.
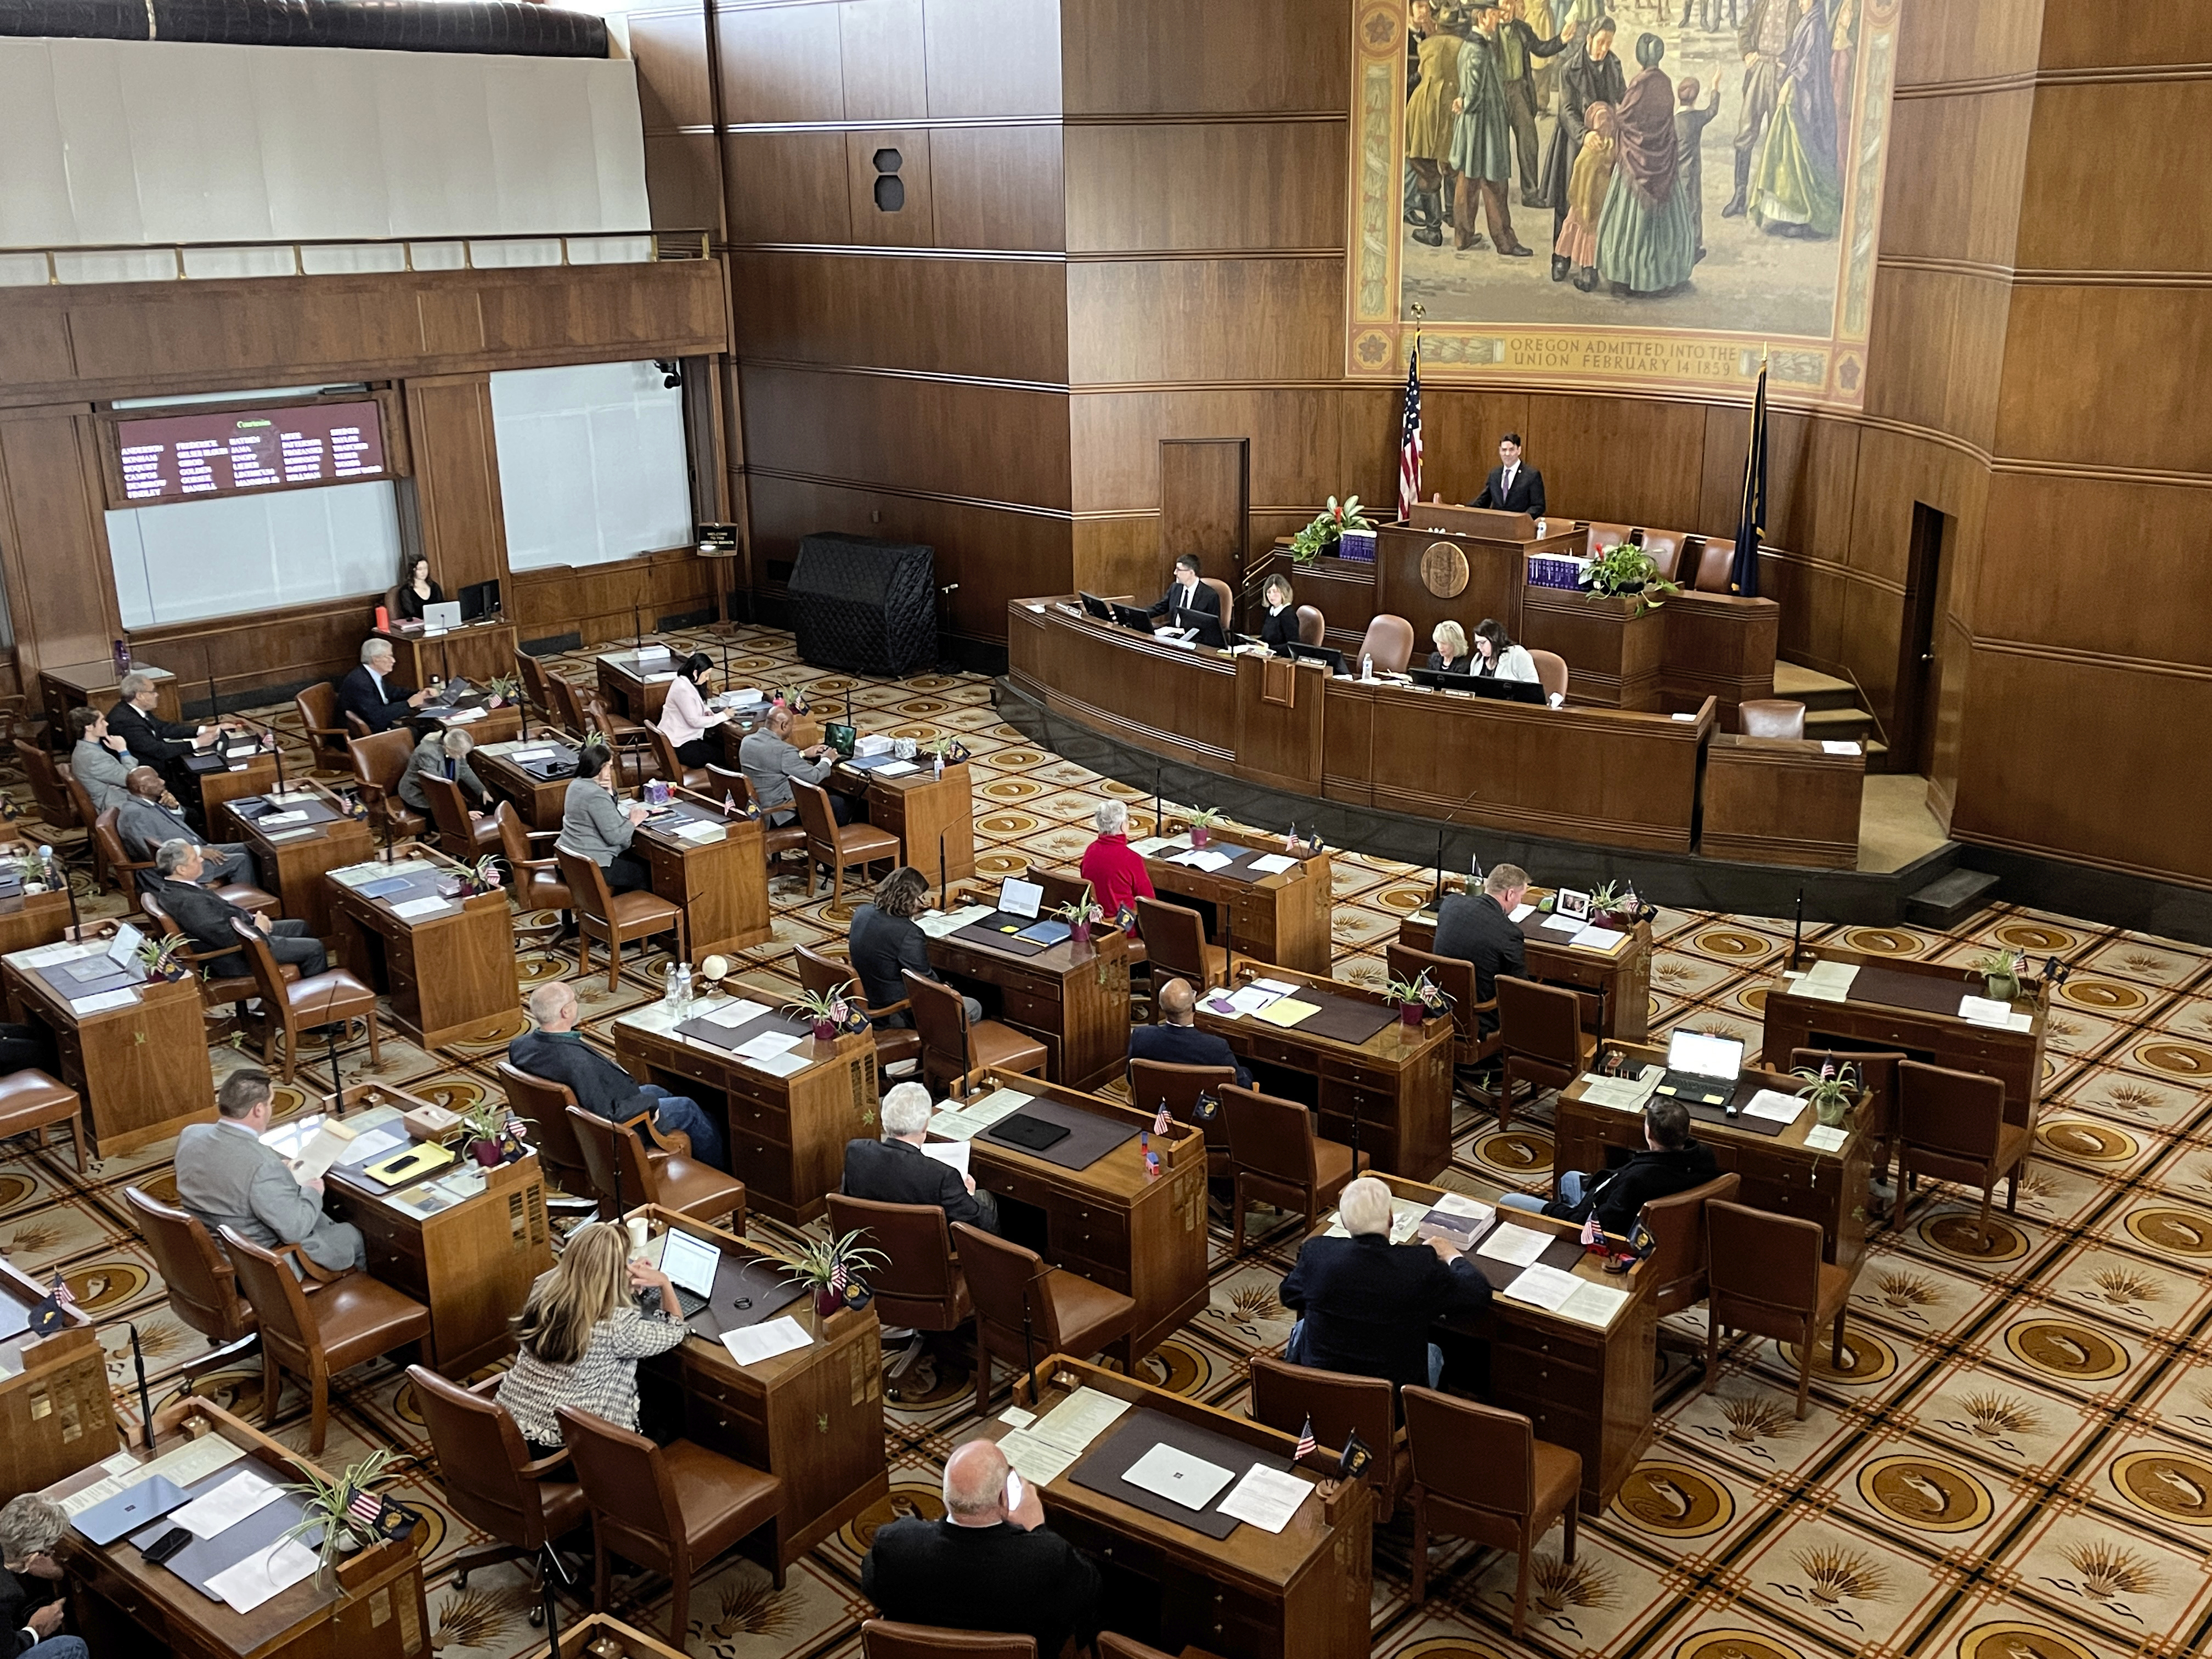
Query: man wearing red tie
<point>1512,487</point>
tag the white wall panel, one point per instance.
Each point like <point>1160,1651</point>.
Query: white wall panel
<point>591,465</point>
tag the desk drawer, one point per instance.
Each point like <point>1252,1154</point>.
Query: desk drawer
<point>1544,1346</point>
<point>763,1165</point>
<point>1275,1051</point>
<point>1538,1377</point>
<point>1556,1419</point>
<point>751,1122</point>
<point>1025,1008</point>
<point>696,1068</point>
<point>1091,1230</point>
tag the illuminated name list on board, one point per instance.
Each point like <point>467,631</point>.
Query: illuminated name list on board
<point>175,458</point>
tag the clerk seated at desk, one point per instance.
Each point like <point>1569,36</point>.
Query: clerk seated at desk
<point>1479,929</point>
<point>884,940</point>
<point>556,1053</point>
<point>1176,1040</point>
<point>99,759</point>
<point>416,593</point>
<point>1670,1163</point>
<point>228,1178</point>
<point>771,761</point>
<point>1496,656</point>
<point>1450,656</point>
<point>896,1170</point>
<point>206,918</point>
<point>986,1565</point>
<point>149,816</point>
<point>371,692</point>
<point>1278,623</point>
<point>441,754</point>
<point>1187,598</point>
<point>1365,1304</point>
<point>32,1598</point>
<point>1117,876</point>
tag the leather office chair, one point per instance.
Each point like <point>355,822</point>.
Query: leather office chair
<point>1551,672</point>
<point>919,1285</point>
<point>56,808</point>
<point>1676,1266</point>
<point>1153,1082</point>
<point>31,1103</point>
<point>1228,597</point>
<point>1715,566</point>
<point>201,1285</point>
<point>543,1105</point>
<point>1877,1112</point>
<point>1540,1030</point>
<point>531,673</point>
<point>672,766</point>
<point>217,990</point>
<point>1176,945</point>
<point>351,1320</point>
<point>1958,1126</point>
<point>1312,625</point>
<point>298,1005</point>
<point>671,1509</point>
<point>82,810</point>
<point>538,883</point>
<point>488,1477</point>
<point>630,743</point>
<point>380,761</point>
<point>776,839</point>
<point>827,976</point>
<point>1284,1396</point>
<point>1772,717</point>
<point>126,870</point>
<point>318,706</point>
<point>562,699</point>
<point>1389,641</point>
<point>464,835</point>
<point>1014,1291</point>
<point>617,918</point>
<point>1764,1274</point>
<point>675,1180</point>
<point>1062,887</point>
<point>840,846</point>
<point>1455,977</point>
<point>1602,536</point>
<point>1274,1154</point>
<point>1481,1472</point>
<point>1113,1646</point>
<point>955,1052</point>
<point>887,1639</point>
<point>1665,548</point>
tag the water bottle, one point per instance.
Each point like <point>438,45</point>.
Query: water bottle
<point>668,985</point>
<point>683,988</point>
<point>1366,666</point>
<point>1540,531</point>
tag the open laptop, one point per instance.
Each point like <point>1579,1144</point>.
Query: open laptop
<point>690,1263</point>
<point>1702,1069</point>
<point>445,615</point>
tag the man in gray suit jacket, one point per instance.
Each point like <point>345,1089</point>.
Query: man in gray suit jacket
<point>228,1178</point>
<point>149,816</point>
<point>99,761</point>
<point>431,758</point>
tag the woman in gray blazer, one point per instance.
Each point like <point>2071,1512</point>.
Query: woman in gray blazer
<point>596,825</point>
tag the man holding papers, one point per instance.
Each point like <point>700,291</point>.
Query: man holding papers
<point>1671,1163</point>
<point>897,1170</point>
<point>1176,1040</point>
<point>990,1564</point>
<point>228,1178</point>
<point>555,1052</point>
<point>1366,1304</point>
<point>1479,928</point>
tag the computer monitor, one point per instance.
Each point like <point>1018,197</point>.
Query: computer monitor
<point>1208,626</point>
<point>1129,616</point>
<point>1704,1054</point>
<point>1443,679</point>
<point>690,1261</point>
<point>1328,656</point>
<point>1096,606</point>
<point>1506,690</point>
<point>479,600</point>
<point>446,614</point>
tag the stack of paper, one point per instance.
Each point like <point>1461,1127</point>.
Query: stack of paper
<point>421,907</point>
<point>1045,1446</point>
<point>1543,1287</point>
<point>1267,1497</point>
<point>1273,864</point>
<point>1152,844</point>
<point>1204,858</point>
<point>1286,1012</point>
<point>194,1461</point>
<point>1985,1011</point>
<point>1597,938</point>
<point>897,769</point>
<point>1592,1303</point>
<point>966,1122</point>
<point>697,831</point>
<point>264,1573</point>
<point>1826,981</point>
<point>755,1343</point>
<point>1622,1094</point>
<point>1516,1246</point>
<point>226,1506</point>
<point>103,1002</point>
<point>1522,913</point>
<point>937,924</point>
<point>734,1012</point>
<point>1559,924</point>
<point>1823,1138</point>
<point>1773,1104</point>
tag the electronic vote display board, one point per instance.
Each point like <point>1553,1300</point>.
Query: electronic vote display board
<point>235,452</point>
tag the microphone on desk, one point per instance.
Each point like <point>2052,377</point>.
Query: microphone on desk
<point>941,883</point>
<point>1797,934</point>
<point>637,624</point>
<point>145,1400</point>
<point>51,871</point>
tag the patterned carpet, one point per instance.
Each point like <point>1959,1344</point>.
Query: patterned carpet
<point>2017,1463</point>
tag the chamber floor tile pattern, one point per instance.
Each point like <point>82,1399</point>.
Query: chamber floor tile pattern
<point>2014,1461</point>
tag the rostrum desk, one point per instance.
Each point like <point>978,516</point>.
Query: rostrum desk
<point>478,652</point>
<point>1073,998</point>
<point>1616,985</point>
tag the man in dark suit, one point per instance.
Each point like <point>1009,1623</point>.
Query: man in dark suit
<point>990,1564</point>
<point>371,692</point>
<point>1479,928</point>
<point>160,744</point>
<point>1512,487</point>
<point>1176,1040</point>
<point>555,1052</point>
<point>32,1598</point>
<point>1187,599</point>
<point>896,1170</point>
<point>1670,1163</point>
<point>883,941</point>
<point>207,917</point>
<point>149,815</point>
<point>1366,1304</point>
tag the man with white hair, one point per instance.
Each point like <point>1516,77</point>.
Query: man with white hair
<point>1366,1304</point>
<point>896,1169</point>
<point>990,1564</point>
<point>31,1595</point>
<point>1117,876</point>
<point>772,763</point>
<point>158,742</point>
<point>441,754</point>
<point>371,692</point>
<point>556,1053</point>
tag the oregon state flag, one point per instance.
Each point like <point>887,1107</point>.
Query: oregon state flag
<point>1751,516</point>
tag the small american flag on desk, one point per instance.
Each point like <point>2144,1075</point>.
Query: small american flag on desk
<point>64,1296</point>
<point>367,1507</point>
<point>1305,1439</point>
<point>837,1279</point>
<point>1161,1121</point>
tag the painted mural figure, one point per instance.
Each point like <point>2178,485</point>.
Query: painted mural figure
<point>1481,145</point>
<point>1428,125</point>
<point>1764,39</point>
<point>1592,75</point>
<point>1690,124</point>
<point>1646,241</point>
<point>1521,48</point>
<point>1795,189</point>
<point>1586,192</point>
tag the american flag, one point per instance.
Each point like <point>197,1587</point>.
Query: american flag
<point>1827,1068</point>
<point>366,1508</point>
<point>729,804</point>
<point>1305,1438</point>
<point>64,1296</point>
<point>1161,1121</point>
<point>1409,439</point>
<point>837,1278</point>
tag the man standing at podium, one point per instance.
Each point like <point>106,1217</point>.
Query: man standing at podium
<point>1512,487</point>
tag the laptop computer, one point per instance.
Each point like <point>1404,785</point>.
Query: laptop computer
<point>1702,1069</point>
<point>690,1263</point>
<point>445,615</point>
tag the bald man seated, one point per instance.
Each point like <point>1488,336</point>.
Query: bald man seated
<point>990,1564</point>
<point>1176,1040</point>
<point>556,1051</point>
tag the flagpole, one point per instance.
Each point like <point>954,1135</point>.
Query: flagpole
<point>1409,431</point>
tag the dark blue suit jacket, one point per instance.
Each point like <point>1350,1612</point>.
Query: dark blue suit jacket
<point>357,695</point>
<point>1368,1303</point>
<point>1184,1045</point>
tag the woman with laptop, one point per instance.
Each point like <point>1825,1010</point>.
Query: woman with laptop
<point>685,718</point>
<point>581,1336</point>
<point>1496,656</point>
<point>415,592</point>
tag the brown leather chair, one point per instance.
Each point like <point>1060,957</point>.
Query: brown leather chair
<point>1113,1646</point>
<point>955,1052</point>
<point>776,839</point>
<point>1062,887</point>
<point>1772,717</point>
<point>1153,1082</point>
<point>543,1105</point>
<point>1287,1396</point>
<point>1877,1112</point>
<point>672,766</point>
<point>298,1005</point>
<point>1540,1030</point>
<point>1959,1126</point>
<point>1312,625</point>
<point>1228,599</point>
<point>531,672</point>
<point>840,846</point>
<point>1481,1472</point>
<point>617,918</point>
<point>1715,567</point>
<point>56,808</point>
<point>630,742</point>
<point>671,1509</point>
<point>538,883</point>
<point>675,1180</point>
<point>1389,641</point>
<point>1602,536</point>
<point>463,833</point>
<point>125,870</point>
<point>886,1638</point>
<point>562,699</point>
<point>920,1284</point>
<point>33,1103</point>
<point>1551,672</point>
<point>1455,977</point>
<point>1664,548</point>
<point>1676,1266</point>
<point>217,990</point>
<point>380,761</point>
<point>827,976</point>
<point>81,808</point>
<point>1176,945</point>
<point>1274,1154</point>
<point>318,706</point>
<point>488,1477</point>
<point>1764,1274</point>
<point>351,1320</point>
<point>1013,1291</point>
<point>201,1285</point>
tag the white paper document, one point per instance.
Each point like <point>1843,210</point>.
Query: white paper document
<point>1828,982</point>
<point>1203,858</point>
<point>735,1013</point>
<point>1273,864</point>
<point>1544,1287</point>
<point>277,820</point>
<point>1252,998</point>
<point>1563,924</point>
<point>1518,1246</point>
<point>937,924</point>
<point>897,769</point>
<point>226,1506</point>
<point>1831,746</point>
<point>103,1002</point>
<point>1000,1103</point>
<point>955,1126</point>
<point>768,1045</point>
<point>1597,938</point>
<point>374,1144</point>
<point>1151,844</point>
<point>1823,1138</point>
<point>262,1574</point>
<point>47,956</point>
<point>289,835</point>
<point>787,1064</point>
<point>1621,1094</point>
<point>1037,1462</point>
<point>521,755</point>
<point>699,832</point>
<point>757,1342</point>
<point>951,1153</point>
<point>1592,1303</point>
<point>329,1142</point>
<point>1015,1418</point>
<point>1267,1497</point>
<point>1522,913</point>
<point>194,1461</point>
<point>1279,987</point>
<point>1984,1011</point>
<point>1167,1472</point>
<point>421,907</point>
<point>1079,1419</point>
<point>1772,1104</point>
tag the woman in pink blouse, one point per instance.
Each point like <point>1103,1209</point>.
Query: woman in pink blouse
<point>684,720</point>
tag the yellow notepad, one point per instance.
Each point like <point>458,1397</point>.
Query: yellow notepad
<point>418,1159</point>
<point>1286,1010</point>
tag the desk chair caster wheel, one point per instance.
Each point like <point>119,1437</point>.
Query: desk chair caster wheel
<point>537,1618</point>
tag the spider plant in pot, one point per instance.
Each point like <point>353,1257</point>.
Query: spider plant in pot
<point>484,1132</point>
<point>164,958</point>
<point>506,688</point>
<point>1079,917</point>
<point>1615,905</point>
<point>1834,1093</point>
<point>827,1009</point>
<point>2000,973</point>
<point>1416,999</point>
<point>1202,825</point>
<point>481,876</point>
<point>345,1509</point>
<point>831,1268</point>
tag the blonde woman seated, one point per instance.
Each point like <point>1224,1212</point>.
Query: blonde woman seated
<point>581,1336</point>
<point>1450,656</point>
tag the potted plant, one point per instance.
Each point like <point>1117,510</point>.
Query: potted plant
<point>1342,530</point>
<point>1615,905</point>
<point>831,1267</point>
<point>1079,916</point>
<point>1623,569</point>
<point>827,1009</point>
<point>1202,825</point>
<point>2000,974</point>
<point>481,876</point>
<point>503,688</point>
<point>164,958</point>
<point>1416,999</point>
<point>345,1509</point>
<point>1834,1094</point>
<point>484,1132</point>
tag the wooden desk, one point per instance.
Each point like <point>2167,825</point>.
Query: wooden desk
<point>1719,646</point>
<point>721,885</point>
<point>1611,645</point>
<point>64,686</point>
<point>1284,917</point>
<point>1781,1173</point>
<point>450,975</point>
<point>2016,1058</point>
<point>256,776</point>
<point>636,686</point>
<point>1141,1235</point>
<point>1616,985</point>
<point>29,920</point>
<point>500,725</point>
<point>1782,800</point>
<point>813,1417</point>
<point>1301,1592</point>
<point>1397,1083</point>
<point>786,1135</point>
<point>478,652</point>
<point>293,858</point>
<point>55,1413</point>
<point>537,802</point>
<point>143,1070</point>
<point>1073,998</point>
<point>925,811</point>
<point>123,1605</point>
